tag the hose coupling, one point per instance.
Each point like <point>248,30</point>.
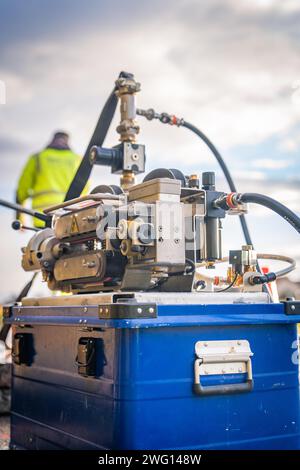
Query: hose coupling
<point>228,201</point>
<point>165,118</point>
<point>262,279</point>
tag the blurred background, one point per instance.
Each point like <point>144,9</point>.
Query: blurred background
<point>231,68</point>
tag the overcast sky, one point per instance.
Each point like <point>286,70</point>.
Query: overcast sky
<point>231,67</point>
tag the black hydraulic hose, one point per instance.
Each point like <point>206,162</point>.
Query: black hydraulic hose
<point>225,170</point>
<point>166,118</point>
<point>19,208</point>
<point>272,204</point>
<point>228,178</point>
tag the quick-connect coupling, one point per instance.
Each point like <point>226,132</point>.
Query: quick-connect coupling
<point>258,279</point>
<point>228,201</point>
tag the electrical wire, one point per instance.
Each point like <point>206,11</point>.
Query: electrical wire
<point>229,286</point>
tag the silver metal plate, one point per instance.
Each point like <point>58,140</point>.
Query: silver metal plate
<point>160,298</point>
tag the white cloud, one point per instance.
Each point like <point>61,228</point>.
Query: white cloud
<point>249,175</point>
<point>227,69</point>
<point>283,6</point>
<point>289,144</point>
<point>271,164</point>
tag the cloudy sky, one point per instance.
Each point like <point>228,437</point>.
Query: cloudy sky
<point>231,67</point>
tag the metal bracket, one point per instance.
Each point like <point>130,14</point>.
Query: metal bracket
<point>291,307</point>
<point>223,358</point>
<point>125,310</point>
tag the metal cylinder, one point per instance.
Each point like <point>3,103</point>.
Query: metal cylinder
<point>104,156</point>
<point>209,181</point>
<point>127,107</point>
<point>126,90</point>
<point>213,239</point>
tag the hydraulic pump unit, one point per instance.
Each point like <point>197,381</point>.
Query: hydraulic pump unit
<point>150,349</point>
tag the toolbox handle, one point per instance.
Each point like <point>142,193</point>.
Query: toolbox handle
<point>223,389</point>
<point>213,357</point>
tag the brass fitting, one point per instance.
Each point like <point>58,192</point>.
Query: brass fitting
<point>126,88</point>
<point>127,179</point>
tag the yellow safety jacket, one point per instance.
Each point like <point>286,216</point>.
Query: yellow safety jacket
<point>46,178</point>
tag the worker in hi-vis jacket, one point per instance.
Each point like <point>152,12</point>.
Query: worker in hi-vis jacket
<point>47,175</point>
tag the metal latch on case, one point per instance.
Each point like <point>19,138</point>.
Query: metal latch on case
<point>86,357</point>
<point>23,349</point>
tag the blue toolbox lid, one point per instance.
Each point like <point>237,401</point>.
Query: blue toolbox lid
<point>148,311</point>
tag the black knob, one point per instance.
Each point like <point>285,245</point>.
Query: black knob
<point>209,181</point>
<point>16,225</point>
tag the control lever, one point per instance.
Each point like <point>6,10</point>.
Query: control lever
<point>16,225</point>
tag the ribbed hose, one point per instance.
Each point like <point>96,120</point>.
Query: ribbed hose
<point>225,170</point>
<point>274,205</point>
<point>286,259</point>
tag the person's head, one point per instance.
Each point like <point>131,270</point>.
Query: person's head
<point>60,140</point>
<point>61,135</point>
